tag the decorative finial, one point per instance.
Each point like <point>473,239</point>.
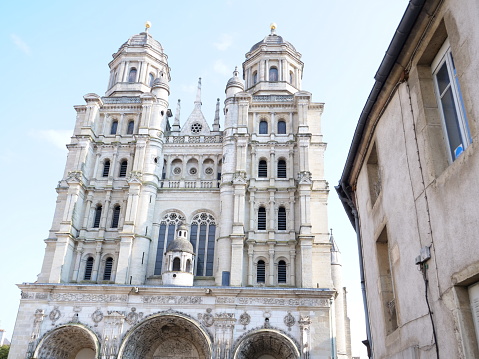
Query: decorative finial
<point>235,72</point>
<point>147,25</point>
<point>216,122</point>
<point>273,28</point>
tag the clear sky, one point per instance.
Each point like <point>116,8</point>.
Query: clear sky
<point>54,52</point>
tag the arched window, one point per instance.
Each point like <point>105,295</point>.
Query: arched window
<point>106,168</point>
<point>176,264</point>
<point>281,169</point>
<point>261,218</point>
<point>261,272</point>
<point>123,168</point>
<point>273,74</point>
<point>96,220</point>
<point>168,228</point>
<point>114,127</point>
<point>88,268</point>
<point>108,268</point>
<point>291,77</point>
<point>262,169</point>
<point>202,236</point>
<point>255,77</point>
<point>131,127</point>
<point>116,217</point>
<point>281,272</point>
<point>281,219</point>
<point>151,79</point>
<point>188,266</point>
<point>132,75</point>
<point>281,127</point>
<point>263,127</point>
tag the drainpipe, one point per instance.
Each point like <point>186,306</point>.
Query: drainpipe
<point>346,196</point>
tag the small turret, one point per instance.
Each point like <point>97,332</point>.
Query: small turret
<point>179,260</point>
<point>234,85</point>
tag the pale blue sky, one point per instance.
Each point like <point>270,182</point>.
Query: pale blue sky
<point>54,52</point>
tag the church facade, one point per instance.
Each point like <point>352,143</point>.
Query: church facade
<point>175,240</point>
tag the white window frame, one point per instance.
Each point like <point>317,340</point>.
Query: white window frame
<point>444,56</point>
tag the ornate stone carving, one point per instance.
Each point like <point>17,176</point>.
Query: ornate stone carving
<point>37,323</point>
<point>112,330</point>
<point>170,299</point>
<point>207,318</point>
<point>225,300</point>
<point>87,297</point>
<point>97,316</point>
<point>54,315</point>
<point>245,319</point>
<point>133,317</point>
<point>304,177</point>
<point>303,302</point>
<point>304,324</point>
<point>289,321</point>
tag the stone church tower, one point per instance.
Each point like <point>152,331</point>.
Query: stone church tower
<point>175,240</point>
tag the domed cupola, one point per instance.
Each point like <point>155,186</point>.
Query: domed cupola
<point>136,65</point>
<point>179,260</point>
<point>234,85</point>
<point>273,66</point>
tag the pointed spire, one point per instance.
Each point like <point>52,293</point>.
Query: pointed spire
<point>216,122</point>
<point>198,94</point>
<point>176,124</point>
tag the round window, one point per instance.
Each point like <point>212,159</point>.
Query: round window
<point>177,170</point>
<point>193,171</point>
<point>209,171</point>
<point>196,127</point>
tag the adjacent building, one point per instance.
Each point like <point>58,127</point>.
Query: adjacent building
<point>177,239</point>
<point>410,187</point>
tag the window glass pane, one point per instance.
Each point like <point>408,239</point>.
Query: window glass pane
<point>452,122</point>
<point>273,74</point>
<point>114,127</point>
<point>160,249</point>
<point>116,217</point>
<point>201,251</point>
<point>131,126</point>
<point>132,75</point>
<point>442,78</point>
<point>171,233</point>
<point>263,127</point>
<point>211,249</point>
<point>151,79</point>
<point>281,127</point>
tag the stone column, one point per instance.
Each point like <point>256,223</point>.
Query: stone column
<point>250,262</point>
<point>271,264</point>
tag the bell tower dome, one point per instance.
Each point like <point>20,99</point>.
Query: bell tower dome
<point>273,66</point>
<point>136,65</point>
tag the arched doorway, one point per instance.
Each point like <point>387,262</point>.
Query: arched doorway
<point>70,341</point>
<point>166,336</point>
<point>266,344</point>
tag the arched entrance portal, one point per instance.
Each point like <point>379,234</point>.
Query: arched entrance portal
<point>166,336</point>
<point>266,344</point>
<point>68,342</point>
